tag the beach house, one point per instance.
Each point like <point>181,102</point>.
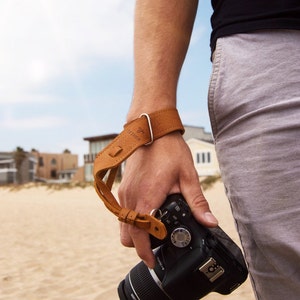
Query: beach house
<point>17,170</point>
<point>199,141</point>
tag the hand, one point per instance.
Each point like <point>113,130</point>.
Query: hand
<point>151,174</point>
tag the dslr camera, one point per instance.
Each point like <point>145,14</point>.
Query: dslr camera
<point>191,261</point>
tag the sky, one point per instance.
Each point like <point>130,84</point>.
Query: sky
<point>66,72</point>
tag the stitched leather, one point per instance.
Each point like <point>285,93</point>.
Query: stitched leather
<point>134,135</point>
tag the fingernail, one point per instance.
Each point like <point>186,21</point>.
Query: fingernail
<point>149,265</point>
<point>210,218</point>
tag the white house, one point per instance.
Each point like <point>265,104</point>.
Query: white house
<point>199,141</point>
<point>204,156</point>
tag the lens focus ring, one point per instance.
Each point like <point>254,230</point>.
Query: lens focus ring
<point>142,284</point>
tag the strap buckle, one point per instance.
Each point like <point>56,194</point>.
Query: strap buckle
<point>150,128</point>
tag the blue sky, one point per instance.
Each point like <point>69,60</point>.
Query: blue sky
<point>66,72</point>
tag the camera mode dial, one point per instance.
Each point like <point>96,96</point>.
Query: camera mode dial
<point>180,237</point>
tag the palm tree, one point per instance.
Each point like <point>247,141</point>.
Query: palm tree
<point>19,156</point>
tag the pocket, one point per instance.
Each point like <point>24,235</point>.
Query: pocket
<point>217,55</point>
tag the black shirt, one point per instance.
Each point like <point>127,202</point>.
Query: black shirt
<point>241,16</point>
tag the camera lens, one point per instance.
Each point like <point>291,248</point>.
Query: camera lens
<point>140,284</point>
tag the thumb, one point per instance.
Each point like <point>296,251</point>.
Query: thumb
<point>199,206</point>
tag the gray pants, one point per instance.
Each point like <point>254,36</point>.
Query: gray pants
<point>254,105</point>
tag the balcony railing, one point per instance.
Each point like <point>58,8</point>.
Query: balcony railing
<point>89,158</point>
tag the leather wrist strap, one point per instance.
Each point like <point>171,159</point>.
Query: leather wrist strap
<point>139,132</point>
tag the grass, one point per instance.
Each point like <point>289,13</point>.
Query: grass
<point>50,186</point>
<point>209,181</point>
<point>206,183</point>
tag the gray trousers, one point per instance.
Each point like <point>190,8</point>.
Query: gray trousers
<point>254,105</point>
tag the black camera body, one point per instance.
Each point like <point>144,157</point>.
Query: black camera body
<point>192,260</point>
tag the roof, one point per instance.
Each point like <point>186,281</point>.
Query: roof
<point>190,132</point>
<point>101,137</point>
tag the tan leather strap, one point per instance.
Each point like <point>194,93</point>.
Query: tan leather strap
<point>139,132</point>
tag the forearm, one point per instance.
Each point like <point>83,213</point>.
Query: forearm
<point>162,35</point>
<point>161,39</point>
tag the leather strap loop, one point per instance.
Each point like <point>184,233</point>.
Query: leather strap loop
<point>139,132</point>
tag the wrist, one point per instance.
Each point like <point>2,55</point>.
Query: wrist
<point>140,107</point>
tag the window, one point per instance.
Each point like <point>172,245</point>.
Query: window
<point>31,165</point>
<point>97,146</point>
<point>53,162</point>
<point>41,161</point>
<point>203,158</point>
<point>4,166</point>
<point>53,174</point>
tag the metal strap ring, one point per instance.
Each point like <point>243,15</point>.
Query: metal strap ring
<point>150,128</point>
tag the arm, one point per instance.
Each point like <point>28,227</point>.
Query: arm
<point>162,34</point>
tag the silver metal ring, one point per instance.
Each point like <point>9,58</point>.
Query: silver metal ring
<point>155,211</point>
<point>150,128</point>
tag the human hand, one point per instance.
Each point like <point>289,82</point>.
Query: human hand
<point>151,174</point>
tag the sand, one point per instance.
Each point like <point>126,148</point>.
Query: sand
<point>64,245</point>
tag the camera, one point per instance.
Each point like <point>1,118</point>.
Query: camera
<point>191,261</point>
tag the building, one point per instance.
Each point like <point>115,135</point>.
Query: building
<point>199,141</point>
<point>12,172</point>
<point>56,167</point>
<point>96,144</point>
<point>204,156</point>
<point>194,132</point>
<point>8,168</point>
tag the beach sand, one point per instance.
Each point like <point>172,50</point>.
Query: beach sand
<point>64,245</point>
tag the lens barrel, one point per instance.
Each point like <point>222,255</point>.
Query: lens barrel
<point>139,284</point>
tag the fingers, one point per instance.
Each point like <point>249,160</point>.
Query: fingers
<point>199,206</point>
<point>201,211</point>
<point>125,238</point>
<point>132,236</point>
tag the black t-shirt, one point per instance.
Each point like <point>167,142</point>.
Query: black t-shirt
<point>241,16</point>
